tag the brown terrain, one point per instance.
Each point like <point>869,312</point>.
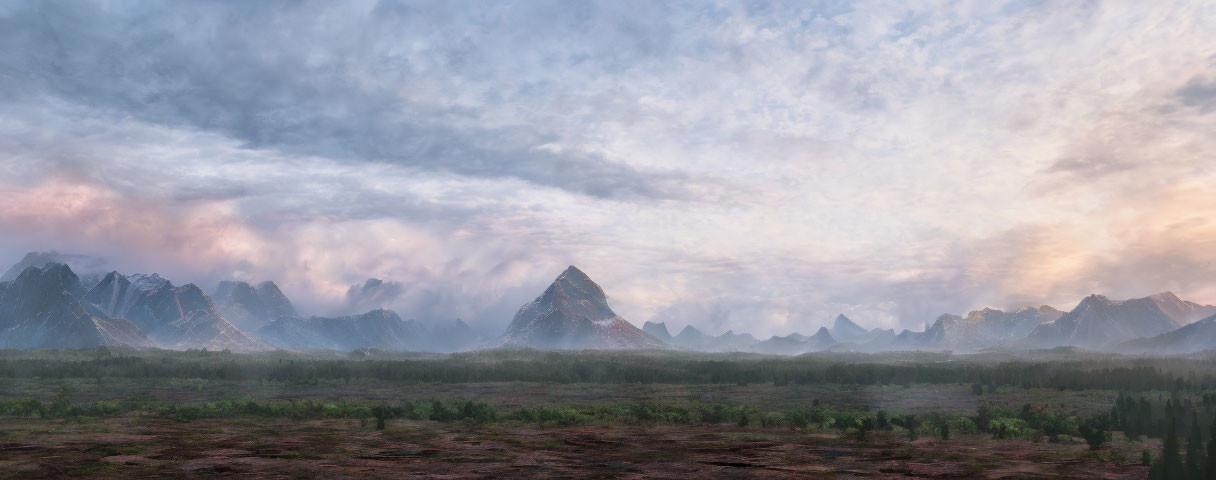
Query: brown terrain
<point>142,446</point>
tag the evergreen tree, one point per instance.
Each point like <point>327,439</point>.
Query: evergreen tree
<point>1144,420</point>
<point>1209,466</point>
<point>1194,450</point>
<point>1171,459</point>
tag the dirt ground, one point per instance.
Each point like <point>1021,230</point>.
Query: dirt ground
<point>145,447</point>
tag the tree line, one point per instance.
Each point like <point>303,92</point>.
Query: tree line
<point>998,421</point>
<point>610,368</point>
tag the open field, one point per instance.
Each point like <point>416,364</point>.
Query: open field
<point>146,414</point>
<point>260,448</point>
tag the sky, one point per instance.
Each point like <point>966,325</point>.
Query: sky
<point>755,166</point>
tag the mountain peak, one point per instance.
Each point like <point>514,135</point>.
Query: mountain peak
<point>268,284</point>
<point>845,329</point>
<point>1182,312</point>
<point>574,313</point>
<point>689,330</point>
<point>372,283</point>
<point>659,330</point>
<point>251,307</point>
<point>82,265</point>
<point>372,294</point>
<point>1165,296</point>
<point>579,291</point>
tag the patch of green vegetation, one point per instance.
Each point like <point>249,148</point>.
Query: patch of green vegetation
<point>96,468</point>
<point>130,449</point>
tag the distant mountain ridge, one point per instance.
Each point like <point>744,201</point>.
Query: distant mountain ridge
<point>381,329</point>
<point>1099,322</point>
<point>796,343</point>
<point>693,339</point>
<point>41,309</point>
<point>149,311</point>
<point>173,317</point>
<point>979,329</point>
<point>1195,337</point>
<point>47,305</point>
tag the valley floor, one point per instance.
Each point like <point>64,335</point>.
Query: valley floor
<point>95,414</point>
<point>136,446</point>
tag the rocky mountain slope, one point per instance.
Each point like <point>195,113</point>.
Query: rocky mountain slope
<point>251,307</point>
<point>41,309</point>
<point>980,329</point>
<point>1194,337</point>
<point>172,317</point>
<point>1181,311</point>
<point>1099,322</point>
<point>573,313</point>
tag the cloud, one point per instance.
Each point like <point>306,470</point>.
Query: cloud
<point>759,168</point>
<point>312,87</point>
<point>1199,92</point>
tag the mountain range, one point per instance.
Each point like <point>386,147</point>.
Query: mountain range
<point>41,308</point>
<point>692,339</point>
<point>44,304</point>
<point>172,317</point>
<point>1099,322</point>
<point>47,306</point>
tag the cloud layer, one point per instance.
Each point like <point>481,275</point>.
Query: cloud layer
<point>756,167</point>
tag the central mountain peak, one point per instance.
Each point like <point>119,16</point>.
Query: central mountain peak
<point>575,293</point>
<point>574,313</point>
